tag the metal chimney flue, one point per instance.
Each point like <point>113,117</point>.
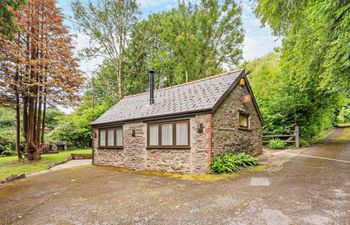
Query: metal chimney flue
<point>151,87</point>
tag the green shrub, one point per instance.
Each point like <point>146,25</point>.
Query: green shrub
<point>231,162</point>
<point>276,144</point>
<point>72,134</point>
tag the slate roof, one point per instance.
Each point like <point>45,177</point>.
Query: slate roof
<point>195,96</point>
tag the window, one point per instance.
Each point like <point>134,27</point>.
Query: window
<point>153,135</point>
<point>182,133</point>
<point>169,134</point>
<point>244,120</point>
<point>111,137</point>
<point>119,136</point>
<point>102,137</point>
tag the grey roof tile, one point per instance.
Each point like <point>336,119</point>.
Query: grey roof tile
<point>193,96</point>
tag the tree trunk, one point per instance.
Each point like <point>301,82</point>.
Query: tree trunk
<point>32,150</point>
<point>120,81</point>
<point>18,126</point>
<point>117,67</point>
<point>44,116</point>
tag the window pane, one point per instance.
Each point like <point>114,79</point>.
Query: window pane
<point>153,135</point>
<point>110,136</point>
<point>243,120</point>
<point>167,134</point>
<point>119,135</point>
<point>102,138</point>
<point>182,133</point>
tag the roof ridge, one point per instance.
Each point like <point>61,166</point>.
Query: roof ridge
<point>187,83</point>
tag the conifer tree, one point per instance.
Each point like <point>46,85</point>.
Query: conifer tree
<point>37,69</point>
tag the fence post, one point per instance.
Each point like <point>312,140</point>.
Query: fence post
<point>297,138</point>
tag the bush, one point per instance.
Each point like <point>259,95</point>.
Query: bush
<point>72,134</point>
<point>276,144</point>
<point>231,162</point>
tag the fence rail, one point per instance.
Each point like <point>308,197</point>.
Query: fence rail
<point>286,138</point>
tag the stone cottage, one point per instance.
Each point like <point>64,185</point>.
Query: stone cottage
<point>180,128</point>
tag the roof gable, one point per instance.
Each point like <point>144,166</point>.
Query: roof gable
<point>197,96</point>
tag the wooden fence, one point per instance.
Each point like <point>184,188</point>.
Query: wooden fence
<point>286,138</point>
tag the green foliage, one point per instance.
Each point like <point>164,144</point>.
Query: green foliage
<point>105,22</point>
<point>276,144</point>
<point>7,131</point>
<point>8,24</point>
<point>344,115</point>
<point>184,44</point>
<point>231,162</point>
<point>315,47</point>
<point>109,24</point>
<point>313,67</point>
<point>75,129</point>
<point>52,117</point>
<point>8,128</point>
<point>103,86</point>
<point>285,102</point>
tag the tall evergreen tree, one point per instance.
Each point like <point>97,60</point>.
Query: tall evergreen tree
<point>38,69</point>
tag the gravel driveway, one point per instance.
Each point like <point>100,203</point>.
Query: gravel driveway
<point>311,186</point>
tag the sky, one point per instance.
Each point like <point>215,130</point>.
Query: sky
<point>258,39</point>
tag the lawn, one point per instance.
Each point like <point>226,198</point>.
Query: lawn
<point>10,166</point>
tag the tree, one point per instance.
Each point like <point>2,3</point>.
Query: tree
<point>108,24</point>
<point>8,25</point>
<point>38,69</point>
<point>186,43</point>
<point>314,57</point>
<point>284,103</point>
<point>316,38</point>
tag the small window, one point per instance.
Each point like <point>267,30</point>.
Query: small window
<point>167,134</point>
<point>243,120</point>
<point>119,136</point>
<point>153,135</point>
<point>102,137</point>
<point>110,135</point>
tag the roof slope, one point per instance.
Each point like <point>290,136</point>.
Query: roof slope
<point>196,96</point>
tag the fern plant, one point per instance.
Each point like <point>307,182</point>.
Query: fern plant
<point>232,162</point>
<point>276,144</point>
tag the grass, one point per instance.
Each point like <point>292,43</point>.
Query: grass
<point>343,136</point>
<point>9,165</point>
<point>323,135</point>
<point>343,124</point>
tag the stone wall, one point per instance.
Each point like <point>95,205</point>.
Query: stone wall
<point>135,155</point>
<point>226,132</point>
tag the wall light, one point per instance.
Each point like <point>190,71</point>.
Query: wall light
<point>200,128</point>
